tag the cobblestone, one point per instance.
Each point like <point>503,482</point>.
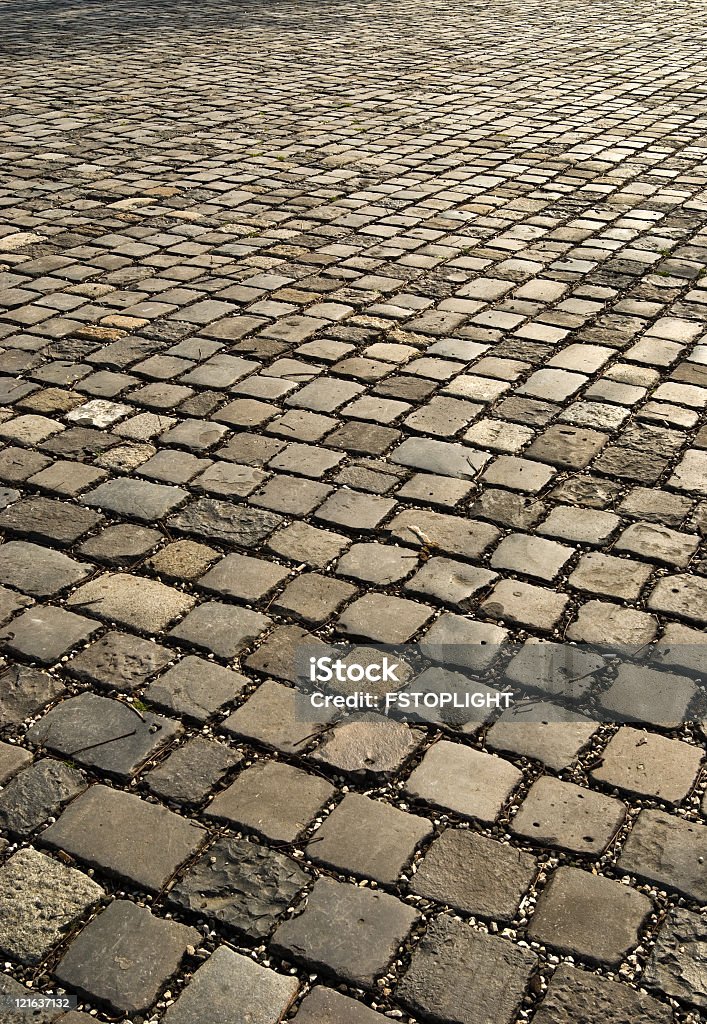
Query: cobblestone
<point>400,339</point>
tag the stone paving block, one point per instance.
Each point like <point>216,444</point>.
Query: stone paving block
<point>12,759</point>
<point>678,966</point>
<point>24,692</point>
<point>577,997</point>
<point>48,520</point>
<point>474,874</point>
<point>273,716</point>
<point>136,499</point>
<point>569,817</point>
<point>107,962</point>
<point>241,885</point>
<point>273,799</point>
<point>301,542</point>
<point>462,780</point>
<point>609,576</point>
<point>183,560</point>
<point>45,633</point>
<point>221,628</point>
<point>102,733</point>
<point>658,544</point>
<point>650,765</point>
<point>523,604</point>
<point>34,794</point>
<point>122,835</point>
<point>10,603</point>
<point>640,694</point>
<point>12,989</point>
<point>325,1006</point>
<point>376,563</point>
<point>131,601</point>
<point>314,598</point>
<point>40,900</point>
<point>531,556</point>
<point>124,545</point>
<point>354,511</point>
<point>218,522</point>
<point>542,731</point>
<point>368,838</point>
<point>579,525</point>
<point>39,571</point>
<point>461,975</point>
<point>244,578</point>
<point>668,851</point>
<point>601,622</point>
<point>682,596</point>
<point>589,917</point>
<point>449,581</point>
<point>463,642</point>
<point>192,771</point>
<point>235,989</point>
<point>119,661</point>
<point>451,535</point>
<point>351,932</point>
<point>383,619</point>
<point>195,688</point>
<point>367,744</point>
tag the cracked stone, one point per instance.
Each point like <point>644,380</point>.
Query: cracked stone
<point>36,793</point>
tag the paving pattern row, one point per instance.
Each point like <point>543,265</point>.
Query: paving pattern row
<point>370,321</point>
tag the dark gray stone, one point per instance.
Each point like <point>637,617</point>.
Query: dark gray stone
<point>48,520</point>
<point>669,851</point>
<point>350,931</point>
<point>195,688</point>
<point>103,733</point>
<point>222,628</point>
<point>37,793</point>
<point>39,571</point>
<point>460,976</point>
<point>475,874</point>
<point>125,836</point>
<point>576,997</point>
<point>235,990</point>
<point>119,661</point>
<point>24,692</point>
<point>191,771</point>
<point>678,965</point>
<point>240,884</point>
<point>213,520</point>
<point>44,633</point>
<point>107,962</point>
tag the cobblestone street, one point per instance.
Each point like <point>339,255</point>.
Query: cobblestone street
<point>378,321</point>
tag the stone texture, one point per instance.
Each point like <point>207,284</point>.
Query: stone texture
<point>474,874</point>
<point>38,571</point>
<point>195,688</point>
<point>240,885</point>
<point>125,836</point>
<point>650,765</point>
<point>368,838</point>
<point>678,964</point>
<point>235,990</point>
<point>589,917</point>
<point>39,900</point>
<point>45,633</point>
<point>350,931</point>
<point>463,976</point>
<point>36,793</point>
<point>567,816</point>
<point>464,781</point>
<point>191,771</point>
<point>273,799</point>
<point>131,601</point>
<point>325,1006</point>
<point>668,851</point>
<point>576,997</point>
<point>107,962</point>
<point>119,661</point>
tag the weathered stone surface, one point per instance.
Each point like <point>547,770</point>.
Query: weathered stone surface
<point>235,990</point>
<point>221,628</point>
<point>367,744</point>
<point>136,499</point>
<point>24,692</point>
<point>568,816</point>
<point>669,851</point>
<point>191,771</point>
<point>131,601</point>
<point>12,989</point>
<point>589,917</point>
<point>48,520</point>
<point>107,961</point>
<point>576,997</point>
<point>465,781</point>
<point>240,884</point>
<point>325,1006</point>
<point>125,836</point>
<point>642,762</point>
<point>466,977</point>
<point>678,964</point>
<point>39,571</point>
<point>222,522</point>
<point>39,899</point>
<point>12,759</point>
<point>195,688</point>
<point>103,733</point>
<point>36,793</point>
<point>350,931</point>
<point>44,633</point>
<point>119,661</point>
<point>273,799</point>
<point>449,534</point>
<point>274,716</point>
<point>368,838</point>
<point>474,874</point>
